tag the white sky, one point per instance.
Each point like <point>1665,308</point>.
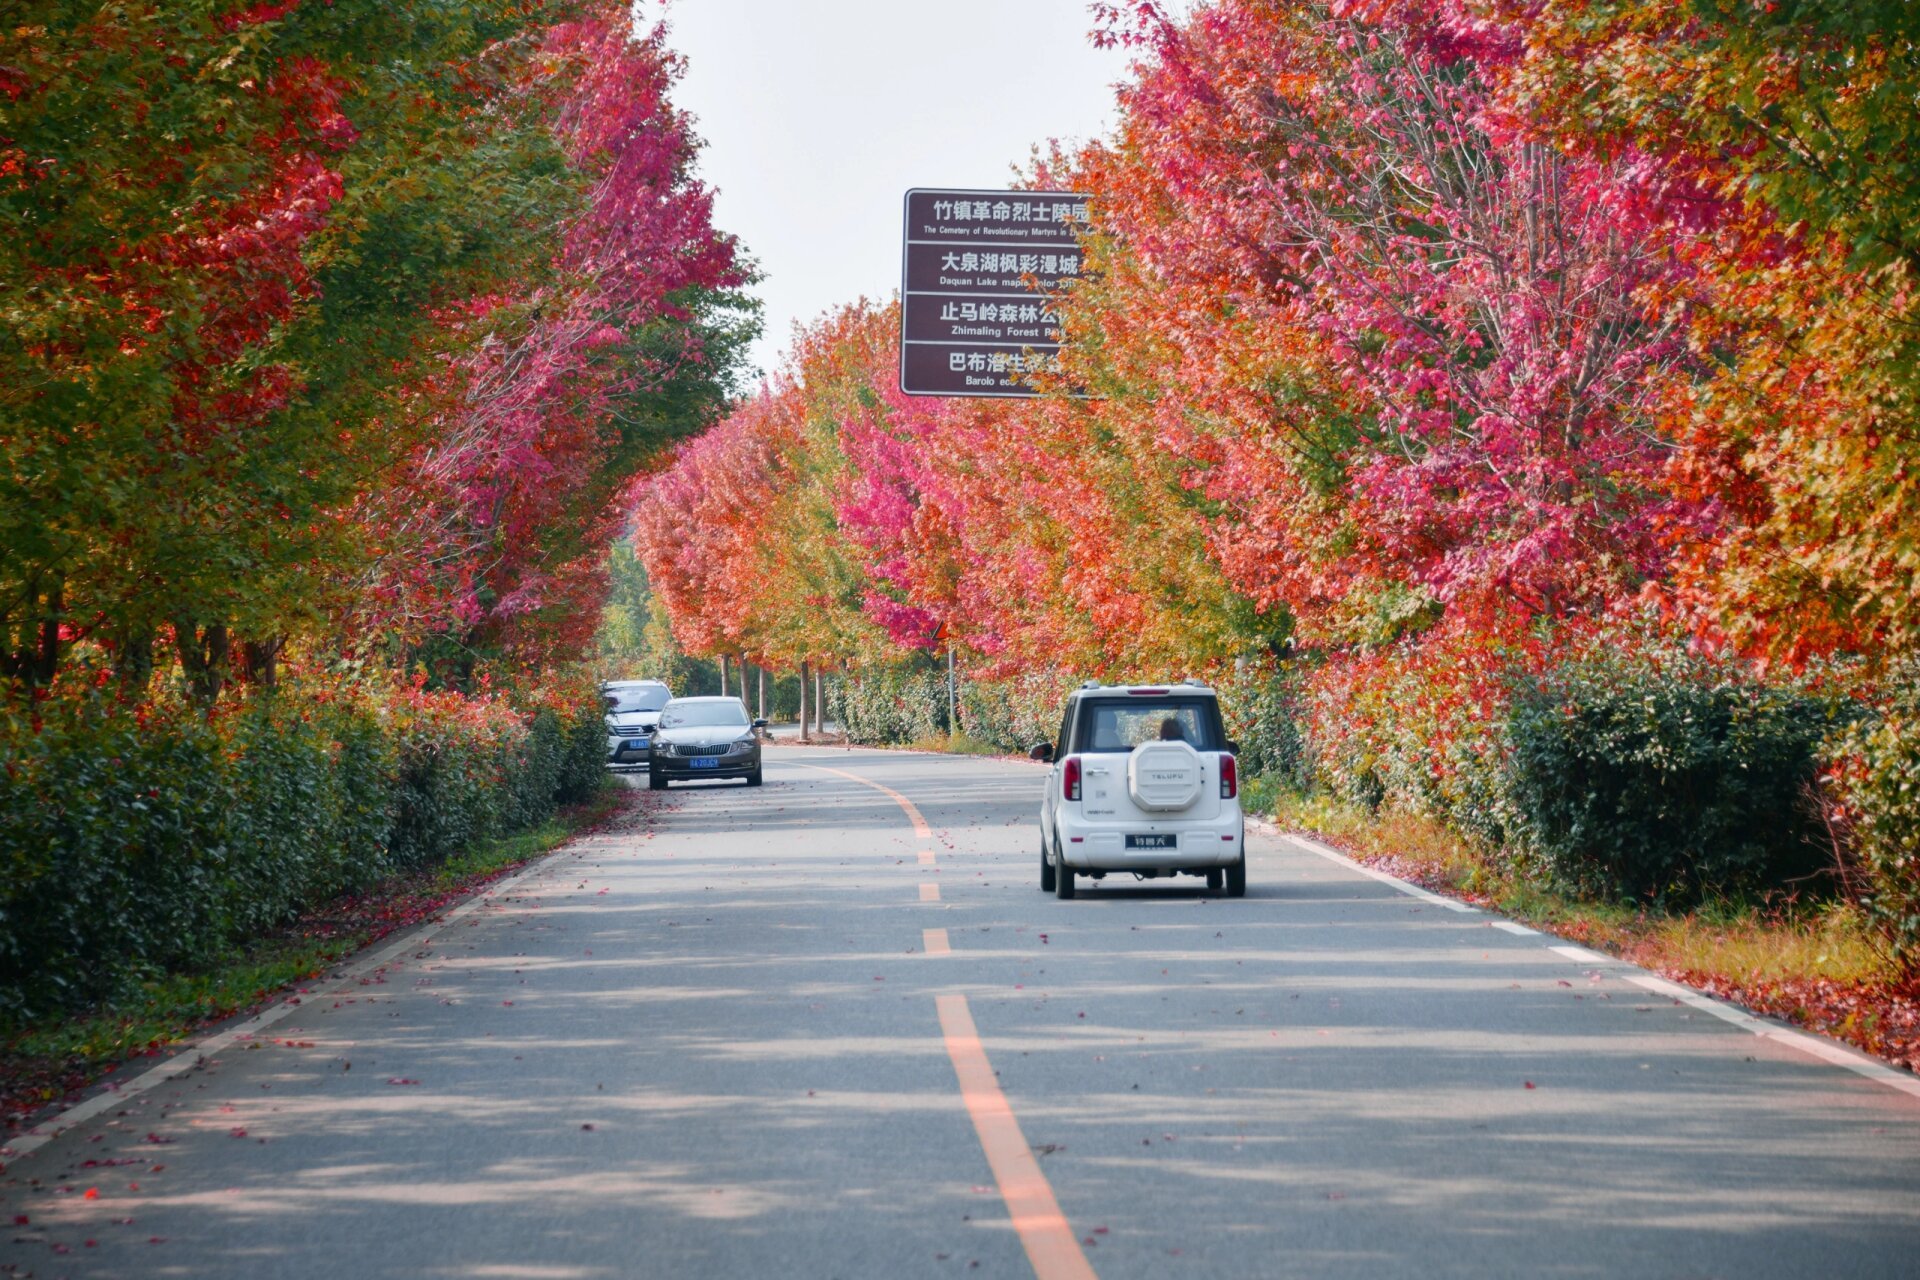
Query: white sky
<point>818,115</point>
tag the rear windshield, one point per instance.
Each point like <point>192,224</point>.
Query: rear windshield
<point>680,715</point>
<point>1115,724</point>
<point>636,699</point>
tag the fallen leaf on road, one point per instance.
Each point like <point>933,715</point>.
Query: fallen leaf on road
<point>400,1080</point>
<point>1530,1084</point>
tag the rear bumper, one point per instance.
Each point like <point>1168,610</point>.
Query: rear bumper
<point>1102,846</point>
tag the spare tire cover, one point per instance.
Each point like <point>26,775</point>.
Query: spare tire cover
<point>1164,776</point>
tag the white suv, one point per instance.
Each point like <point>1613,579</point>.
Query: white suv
<point>1143,781</point>
<point>633,713</point>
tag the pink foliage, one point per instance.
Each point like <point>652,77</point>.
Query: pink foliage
<point>545,375</point>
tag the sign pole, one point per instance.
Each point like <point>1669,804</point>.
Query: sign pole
<point>953,702</point>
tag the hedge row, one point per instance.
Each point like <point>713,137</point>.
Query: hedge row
<point>888,705</point>
<point>136,840</point>
<point>1878,777</point>
<point>1624,764</point>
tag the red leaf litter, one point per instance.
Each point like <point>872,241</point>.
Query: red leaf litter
<point>1883,1021</point>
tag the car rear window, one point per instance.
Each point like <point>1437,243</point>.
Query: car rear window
<point>1115,724</point>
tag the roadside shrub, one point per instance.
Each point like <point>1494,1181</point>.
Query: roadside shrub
<point>137,839</point>
<point>1880,781</point>
<point>583,753</point>
<point>1013,714</point>
<point>889,706</point>
<point>1264,708</point>
<point>1644,770</point>
<point>1418,724</point>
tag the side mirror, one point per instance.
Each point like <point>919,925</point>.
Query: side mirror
<point>759,724</point>
<point>1043,752</point>
<point>1233,748</point>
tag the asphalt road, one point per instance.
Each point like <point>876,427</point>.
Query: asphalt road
<point>722,1042</point>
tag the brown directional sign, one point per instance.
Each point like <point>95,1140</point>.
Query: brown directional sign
<point>978,269</point>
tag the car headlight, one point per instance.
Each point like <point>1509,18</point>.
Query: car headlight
<point>743,744</point>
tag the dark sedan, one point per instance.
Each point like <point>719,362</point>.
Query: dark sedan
<point>702,738</point>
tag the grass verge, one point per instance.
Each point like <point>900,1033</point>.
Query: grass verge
<point>43,1064</point>
<point>1813,964</point>
<point>955,744</point>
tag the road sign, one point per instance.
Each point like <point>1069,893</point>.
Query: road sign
<point>978,269</point>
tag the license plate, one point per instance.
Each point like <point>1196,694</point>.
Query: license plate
<point>637,743</point>
<point>704,762</point>
<point>1153,842</point>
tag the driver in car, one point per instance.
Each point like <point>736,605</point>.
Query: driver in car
<point>1170,731</point>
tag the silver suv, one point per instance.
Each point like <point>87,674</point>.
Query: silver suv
<point>1144,781</point>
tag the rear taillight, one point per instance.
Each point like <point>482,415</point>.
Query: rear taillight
<point>1229,778</point>
<point>1070,778</point>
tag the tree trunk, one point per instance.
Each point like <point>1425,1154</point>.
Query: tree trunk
<point>723,675</point>
<point>819,701</point>
<point>133,660</point>
<point>760,674</point>
<point>47,662</point>
<point>203,656</point>
<point>803,701</point>
<point>32,654</point>
<point>260,659</point>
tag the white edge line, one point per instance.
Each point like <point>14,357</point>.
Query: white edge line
<point>1519,929</point>
<point>195,1053</point>
<point>1829,1051</point>
<point>1819,1047</point>
<point>1411,890</point>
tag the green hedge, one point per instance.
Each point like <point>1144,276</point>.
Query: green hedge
<point>1881,786</point>
<point>1659,774</point>
<point>1262,705</point>
<point>1014,714</point>
<point>886,706</point>
<point>141,840</point>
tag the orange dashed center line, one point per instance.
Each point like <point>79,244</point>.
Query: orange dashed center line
<point>920,827</point>
<point>929,893</point>
<point>1043,1230</point>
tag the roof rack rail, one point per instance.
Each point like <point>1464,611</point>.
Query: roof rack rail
<point>1197,682</point>
<point>1091,684</point>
